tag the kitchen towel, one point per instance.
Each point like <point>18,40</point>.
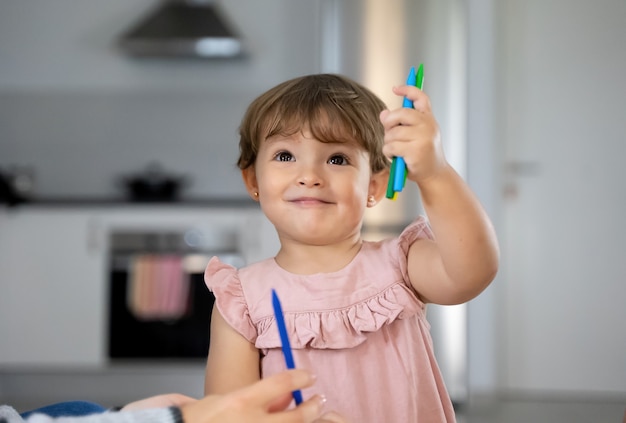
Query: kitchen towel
<point>158,287</point>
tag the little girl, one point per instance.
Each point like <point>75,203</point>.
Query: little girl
<point>314,152</point>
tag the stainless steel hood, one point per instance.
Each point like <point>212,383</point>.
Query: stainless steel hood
<point>183,28</point>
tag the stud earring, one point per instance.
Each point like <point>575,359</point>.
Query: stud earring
<point>256,194</point>
<point>371,200</point>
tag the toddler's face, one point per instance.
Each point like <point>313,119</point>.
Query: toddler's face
<point>313,192</point>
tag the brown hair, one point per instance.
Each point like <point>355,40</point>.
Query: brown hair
<point>332,107</point>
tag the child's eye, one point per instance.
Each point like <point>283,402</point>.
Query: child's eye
<point>338,159</point>
<point>283,156</point>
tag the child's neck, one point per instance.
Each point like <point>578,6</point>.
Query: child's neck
<point>311,259</point>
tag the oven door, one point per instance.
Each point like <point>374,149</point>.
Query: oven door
<point>159,306</point>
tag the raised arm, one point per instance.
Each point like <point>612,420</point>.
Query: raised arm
<point>463,258</point>
<point>233,361</point>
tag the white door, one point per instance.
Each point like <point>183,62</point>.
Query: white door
<point>562,126</point>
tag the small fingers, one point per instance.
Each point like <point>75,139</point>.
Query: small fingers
<point>420,99</point>
<point>402,116</point>
<point>401,139</point>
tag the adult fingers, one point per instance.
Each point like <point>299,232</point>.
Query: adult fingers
<point>307,412</point>
<point>275,387</point>
<point>159,401</point>
<point>331,417</point>
<point>280,403</point>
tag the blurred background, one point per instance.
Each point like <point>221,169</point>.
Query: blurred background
<point>118,138</point>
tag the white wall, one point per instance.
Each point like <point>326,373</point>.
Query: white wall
<point>560,126</point>
<point>556,334</point>
<point>482,176</point>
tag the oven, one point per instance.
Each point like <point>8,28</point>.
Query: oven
<point>159,306</point>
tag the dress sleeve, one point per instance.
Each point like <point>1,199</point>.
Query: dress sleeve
<point>223,280</point>
<point>418,229</point>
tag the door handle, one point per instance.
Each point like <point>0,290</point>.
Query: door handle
<point>522,168</point>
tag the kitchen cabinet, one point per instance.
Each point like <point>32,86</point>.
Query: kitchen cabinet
<point>52,280</point>
<point>54,273</point>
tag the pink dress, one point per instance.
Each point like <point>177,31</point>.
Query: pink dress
<point>362,330</point>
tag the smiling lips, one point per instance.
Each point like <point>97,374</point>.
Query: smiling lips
<point>309,201</point>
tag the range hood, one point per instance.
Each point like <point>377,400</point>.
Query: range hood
<point>183,28</point>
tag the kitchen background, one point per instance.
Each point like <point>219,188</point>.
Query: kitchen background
<point>529,96</point>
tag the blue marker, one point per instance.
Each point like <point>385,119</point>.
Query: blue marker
<point>411,80</point>
<point>400,173</point>
<point>284,340</point>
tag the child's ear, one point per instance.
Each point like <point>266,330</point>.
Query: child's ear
<point>378,185</point>
<point>249,179</point>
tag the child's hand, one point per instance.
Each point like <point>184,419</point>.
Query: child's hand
<point>413,134</point>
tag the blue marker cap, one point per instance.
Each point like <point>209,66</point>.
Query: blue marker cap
<point>411,80</point>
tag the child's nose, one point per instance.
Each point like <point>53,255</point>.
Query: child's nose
<point>307,182</point>
<point>310,177</point>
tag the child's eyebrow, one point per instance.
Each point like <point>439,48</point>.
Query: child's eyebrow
<point>278,138</point>
<point>291,137</point>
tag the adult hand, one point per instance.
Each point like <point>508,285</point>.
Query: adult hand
<point>159,401</point>
<point>263,402</point>
<point>331,417</point>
